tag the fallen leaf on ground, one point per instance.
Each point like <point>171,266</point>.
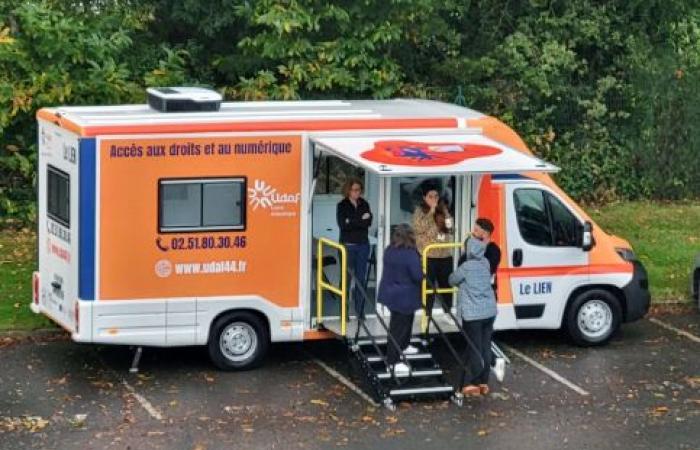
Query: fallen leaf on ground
<point>659,411</point>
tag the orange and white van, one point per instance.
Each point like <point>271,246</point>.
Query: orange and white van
<point>201,228</point>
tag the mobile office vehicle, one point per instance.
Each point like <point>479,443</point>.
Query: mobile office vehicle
<point>201,228</point>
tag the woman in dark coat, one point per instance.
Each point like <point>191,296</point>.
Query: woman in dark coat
<point>399,291</point>
<point>354,219</point>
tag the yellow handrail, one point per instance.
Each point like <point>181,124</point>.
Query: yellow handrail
<point>321,285</point>
<point>434,290</point>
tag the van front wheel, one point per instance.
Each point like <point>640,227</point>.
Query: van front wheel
<point>593,317</point>
<point>238,341</point>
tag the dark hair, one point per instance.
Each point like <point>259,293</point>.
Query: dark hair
<point>349,183</point>
<point>425,188</point>
<point>485,224</point>
<point>402,235</point>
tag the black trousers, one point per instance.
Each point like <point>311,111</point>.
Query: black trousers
<point>400,328</point>
<point>439,270</point>
<point>480,333</point>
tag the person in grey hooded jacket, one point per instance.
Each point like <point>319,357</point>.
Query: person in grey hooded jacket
<point>476,306</point>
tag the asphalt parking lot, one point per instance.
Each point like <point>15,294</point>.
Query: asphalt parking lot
<point>640,391</point>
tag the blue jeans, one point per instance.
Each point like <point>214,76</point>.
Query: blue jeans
<point>358,254</point>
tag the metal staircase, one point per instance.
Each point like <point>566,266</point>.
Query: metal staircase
<point>368,340</point>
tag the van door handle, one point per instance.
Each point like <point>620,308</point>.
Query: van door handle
<point>517,257</point>
<point>56,285</point>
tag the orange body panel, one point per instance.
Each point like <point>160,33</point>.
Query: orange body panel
<point>603,254</point>
<point>137,261</point>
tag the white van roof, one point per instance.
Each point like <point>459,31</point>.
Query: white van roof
<point>120,119</point>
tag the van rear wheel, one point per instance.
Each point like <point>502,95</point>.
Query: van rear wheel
<point>593,317</point>
<point>238,341</point>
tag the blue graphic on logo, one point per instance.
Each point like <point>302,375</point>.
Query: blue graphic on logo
<point>414,153</point>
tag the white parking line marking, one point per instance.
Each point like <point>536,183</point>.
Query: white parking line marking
<point>349,384</point>
<point>546,370</point>
<point>678,331</point>
<point>152,410</point>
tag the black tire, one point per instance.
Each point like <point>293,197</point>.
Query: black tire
<point>238,341</point>
<point>593,317</point>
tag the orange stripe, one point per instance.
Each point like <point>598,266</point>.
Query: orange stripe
<point>49,116</point>
<point>315,335</point>
<point>564,270</point>
<point>301,125</point>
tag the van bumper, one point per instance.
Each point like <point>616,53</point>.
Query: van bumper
<point>637,293</point>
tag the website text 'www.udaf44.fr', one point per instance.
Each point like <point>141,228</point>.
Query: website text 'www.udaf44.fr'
<point>229,266</point>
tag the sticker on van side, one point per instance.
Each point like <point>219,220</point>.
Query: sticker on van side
<point>200,216</point>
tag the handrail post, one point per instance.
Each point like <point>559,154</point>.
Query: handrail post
<point>343,286</point>
<point>434,290</point>
<point>319,279</point>
<point>321,285</point>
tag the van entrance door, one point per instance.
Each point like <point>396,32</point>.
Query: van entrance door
<point>404,205</point>
<point>331,174</point>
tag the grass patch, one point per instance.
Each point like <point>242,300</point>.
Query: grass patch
<point>665,237</point>
<point>17,262</point>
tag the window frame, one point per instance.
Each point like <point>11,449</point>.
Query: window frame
<point>50,169</point>
<point>549,196</point>
<point>243,180</point>
<point>548,210</point>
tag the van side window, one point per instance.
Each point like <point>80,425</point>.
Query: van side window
<point>544,220</point>
<point>332,174</point>
<point>564,224</point>
<point>215,204</point>
<point>58,196</point>
<point>533,219</point>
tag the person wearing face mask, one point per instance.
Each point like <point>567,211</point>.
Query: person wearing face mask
<point>433,224</point>
<point>354,218</point>
<point>483,230</point>
<point>476,307</point>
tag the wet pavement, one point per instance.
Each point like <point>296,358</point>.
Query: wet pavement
<point>643,392</point>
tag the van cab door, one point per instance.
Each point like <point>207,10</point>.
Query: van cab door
<point>545,259</point>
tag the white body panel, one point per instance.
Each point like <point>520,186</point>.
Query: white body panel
<point>58,242</point>
<point>149,322</point>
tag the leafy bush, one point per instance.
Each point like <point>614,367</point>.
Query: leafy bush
<point>606,90</point>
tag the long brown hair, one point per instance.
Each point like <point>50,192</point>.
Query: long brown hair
<point>403,236</point>
<point>349,183</point>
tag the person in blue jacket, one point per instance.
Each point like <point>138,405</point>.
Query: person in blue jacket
<point>399,290</point>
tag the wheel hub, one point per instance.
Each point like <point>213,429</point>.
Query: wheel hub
<point>238,341</point>
<point>595,318</point>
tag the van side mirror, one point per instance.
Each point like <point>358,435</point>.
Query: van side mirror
<point>587,241</point>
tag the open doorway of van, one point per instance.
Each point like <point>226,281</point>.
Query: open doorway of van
<point>331,174</point>
<point>405,205</point>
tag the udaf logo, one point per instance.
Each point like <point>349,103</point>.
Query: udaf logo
<point>264,195</point>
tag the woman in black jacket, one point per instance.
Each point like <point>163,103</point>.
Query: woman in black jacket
<point>354,219</point>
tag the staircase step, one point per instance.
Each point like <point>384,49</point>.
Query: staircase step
<point>417,356</point>
<point>416,373</point>
<point>383,341</point>
<point>421,390</point>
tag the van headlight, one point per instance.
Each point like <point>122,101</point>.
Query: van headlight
<point>626,253</point>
